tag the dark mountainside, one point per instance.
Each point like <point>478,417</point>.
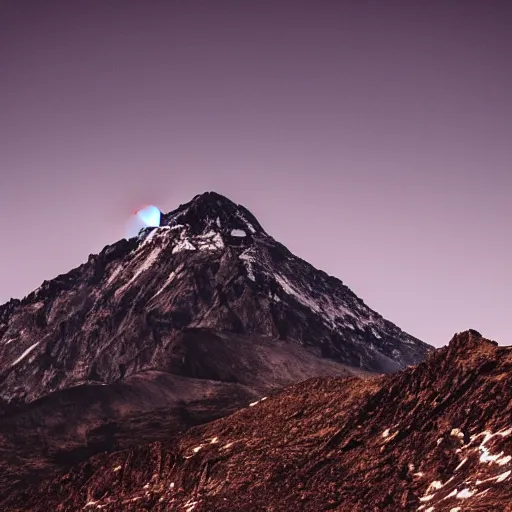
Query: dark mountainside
<point>435,437</point>
<point>181,325</point>
<point>211,266</point>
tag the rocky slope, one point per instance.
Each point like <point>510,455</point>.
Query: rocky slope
<point>436,437</point>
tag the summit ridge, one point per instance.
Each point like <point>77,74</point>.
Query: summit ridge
<point>213,209</point>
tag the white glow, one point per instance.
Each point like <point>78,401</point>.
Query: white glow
<point>150,216</point>
<point>145,217</point>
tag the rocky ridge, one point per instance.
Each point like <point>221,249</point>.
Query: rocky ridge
<point>435,437</point>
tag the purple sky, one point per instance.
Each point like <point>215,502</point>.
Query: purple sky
<point>374,139</point>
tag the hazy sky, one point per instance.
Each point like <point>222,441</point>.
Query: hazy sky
<point>374,139</point>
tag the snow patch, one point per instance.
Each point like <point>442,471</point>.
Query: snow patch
<point>465,493</point>
<point>25,354</point>
<point>114,274</point>
<point>376,334</point>
<point>503,460</point>
<point>247,223</point>
<point>149,237</point>
<point>157,232</point>
<point>503,476</point>
<point>301,297</point>
<point>172,275</point>
<point>334,311</point>
<point>388,436</point>
<point>248,260</point>
<point>456,432</point>
<point>257,401</point>
<point>183,245</point>
<point>210,241</point>
<point>434,486</point>
<point>486,456</point>
<point>146,265</point>
<point>190,505</point>
<point>240,233</point>
<point>462,462</point>
<point>194,450</point>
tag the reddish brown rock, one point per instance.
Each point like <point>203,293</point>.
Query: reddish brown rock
<point>435,437</point>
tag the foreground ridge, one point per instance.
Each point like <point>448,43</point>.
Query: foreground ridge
<point>436,437</point>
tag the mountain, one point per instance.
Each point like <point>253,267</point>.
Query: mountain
<point>210,265</point>
<point>180,325</point>
<point>435,437</point>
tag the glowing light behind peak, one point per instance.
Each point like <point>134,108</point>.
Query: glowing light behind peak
<point>148,216</point>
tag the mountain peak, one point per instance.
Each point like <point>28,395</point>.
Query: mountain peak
<point>469,343</point>
<point>212,210</point>
<point>468,339</point>
<point>209,265</point>
<point>210,197</point>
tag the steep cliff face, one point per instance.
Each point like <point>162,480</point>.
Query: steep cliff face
<point>210,265</point>
<point>436,437</point>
